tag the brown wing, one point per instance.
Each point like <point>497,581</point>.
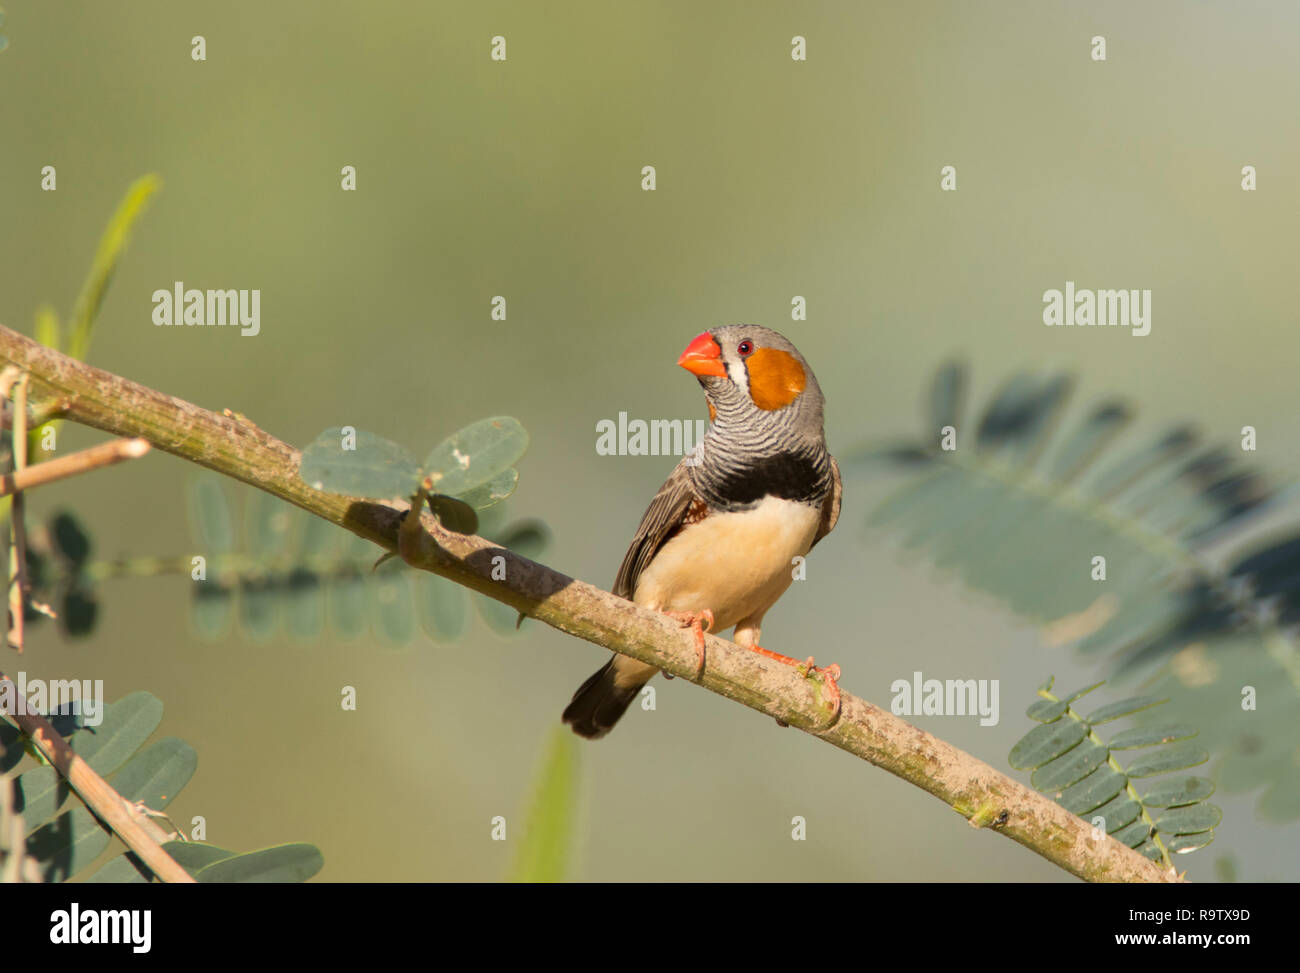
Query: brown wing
<point>667,512</point>
<point>831,508</point>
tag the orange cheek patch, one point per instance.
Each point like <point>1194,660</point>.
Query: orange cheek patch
<point>775,378</point>
<point>713,413</point>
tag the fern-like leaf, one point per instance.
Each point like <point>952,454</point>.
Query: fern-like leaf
<point>61,837</point>
<point>296,574</point>
<point>1028,498</point>
<point>1107,781</point>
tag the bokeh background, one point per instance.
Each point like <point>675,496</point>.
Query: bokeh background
<point>479,178</point>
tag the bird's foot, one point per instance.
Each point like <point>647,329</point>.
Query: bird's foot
<point>699,622</point>
<point>829,676</point>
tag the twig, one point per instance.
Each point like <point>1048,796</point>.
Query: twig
<point>17,527</point>
<point>94,458</point>
<point>140,834</point>
<point>15,864</point>
<point>238,449</point>
<point>108,805</point>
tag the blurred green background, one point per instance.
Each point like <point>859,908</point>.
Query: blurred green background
<point>775,178</point>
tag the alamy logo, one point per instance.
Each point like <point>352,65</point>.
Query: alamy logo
<point>241,308</point>
<point>74,925</point>
<point>658,437</point>
<point>952,697</point>
<point>22,696</point>
<point>1125,309</point>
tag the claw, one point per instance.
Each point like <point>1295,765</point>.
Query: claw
<point>807,669</point>
<point>830,674</point>
<point>700,622</point>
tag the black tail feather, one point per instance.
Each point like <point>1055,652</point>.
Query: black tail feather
<point>599,702</point>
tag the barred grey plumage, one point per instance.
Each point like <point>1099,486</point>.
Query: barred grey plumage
<point>765,452</point>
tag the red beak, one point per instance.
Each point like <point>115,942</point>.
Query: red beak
<point>703,356</point>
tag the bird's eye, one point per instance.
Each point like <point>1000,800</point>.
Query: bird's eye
<point>745,348</point>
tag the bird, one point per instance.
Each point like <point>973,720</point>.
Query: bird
<point>716,547</point>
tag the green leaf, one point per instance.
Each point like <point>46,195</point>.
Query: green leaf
<point>1037,499</point>
<point>1141,462</point>
<point>212,609</point>
<point>127,723</point>
<point>1149,736</point>
<point>281,863</point>
<point>475,456</point>
<point>1046,742</point>
<point>305,610</point>
<point>1047,710</point>
<point>528,538</point>
<point>1172,793</point>
<point>111,245</point>
<point>442,607</point>
<point>1135,623</point>
<point>125,869</point>
<point>1133,834</point>
<point>1124,707</point>
<point>84,312</point>
<point>78,610</point>
<point>156,775</point>
<point>190,855</point>
<point>319,538</point>
<point>1084,692</point>
<point>392,603</point>
<point>259,601</point>
<point>47,327</point>
<point>348,604</point>
<point>305,604</point>
<point>67,844</point>
<point>70,539</point>
<point>195,855</point>
<point>38,794</point>
<point>269,524</point>
<point>210,519</point>
<point>1150,849</point>
<point>1119,811</point>
<point>1079,450</point>
<point>1184,843</point>
<point>493,491</point>
<point>1162,761</point>
<point>1192,819</point>
<point>1093,791</point>
<point>359,464</point>
<point>1069,767</point>
<point>547,844</point>
<point>457,515</point>
<point>1021,416</point>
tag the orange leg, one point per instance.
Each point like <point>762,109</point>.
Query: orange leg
<point>829,675</point>
<point>700,622</point>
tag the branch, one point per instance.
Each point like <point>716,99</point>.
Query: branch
<point>17,518</point>
<point>233,446</point>
<point>142,837</point>
<point>83,461</point>
<point>139,834</point>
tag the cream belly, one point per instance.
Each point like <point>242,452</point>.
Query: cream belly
<point>734,564</point>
